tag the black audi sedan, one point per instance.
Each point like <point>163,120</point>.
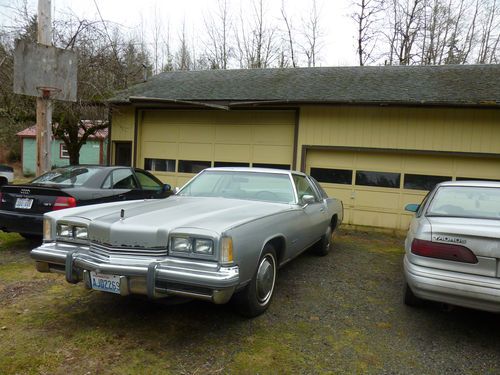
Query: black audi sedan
<point>22,206</point>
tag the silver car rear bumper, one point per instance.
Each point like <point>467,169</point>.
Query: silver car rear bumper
<point>141,275</point>
<point>461,289</point>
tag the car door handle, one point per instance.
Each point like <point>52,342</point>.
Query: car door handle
<point>121,196</point>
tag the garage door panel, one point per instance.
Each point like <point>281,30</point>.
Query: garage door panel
<point>379,199</point>
<point>197,133</point>
<point>161,150</point>
<point>272,154</point>
<point>160,132</point>
<point>478,168</point>
<point>326,159</point>
<point>196,151</point>
<point>373,161</point>
<point>232,153</point>
<point>375,218</point>
<point>344,194</point>
<point>427,164</point>
<point>233,134</point>
<point>275,135</point>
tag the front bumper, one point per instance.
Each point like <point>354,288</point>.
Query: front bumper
<point>455,288</point>
<point>139,274</point>
<point>21,223</point>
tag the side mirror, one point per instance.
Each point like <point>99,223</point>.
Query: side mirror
<point>412,207</point>
<point>166,187</point>
<point>308,199</point>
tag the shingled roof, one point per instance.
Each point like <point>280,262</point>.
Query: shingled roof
<point>476,85</point>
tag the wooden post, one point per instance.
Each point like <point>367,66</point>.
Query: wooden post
<point>43,103</point>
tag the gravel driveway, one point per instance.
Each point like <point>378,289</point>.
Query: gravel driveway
<point>339,314</point>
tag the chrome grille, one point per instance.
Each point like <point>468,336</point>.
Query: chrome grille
<point>105,250</point>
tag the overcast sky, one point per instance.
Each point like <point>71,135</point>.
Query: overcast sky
<point>338,47</point>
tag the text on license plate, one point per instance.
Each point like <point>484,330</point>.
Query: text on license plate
<point>105,283</point>
<point>24,203</point>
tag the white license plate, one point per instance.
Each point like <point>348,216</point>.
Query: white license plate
<point>24,203</point>
<point>105,283</point>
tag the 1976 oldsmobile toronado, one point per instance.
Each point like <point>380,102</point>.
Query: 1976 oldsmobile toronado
<point>223,235</point>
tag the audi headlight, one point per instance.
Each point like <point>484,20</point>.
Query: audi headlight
<point>80,233</point>
<point>64,231</point>
<point>203,246</point>
<point>181,244</point>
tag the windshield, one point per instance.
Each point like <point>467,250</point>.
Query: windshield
<point>461,201</point>
<point>270,187</point>
<point>75,176</point>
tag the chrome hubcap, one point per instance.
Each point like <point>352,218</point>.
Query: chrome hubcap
<point>266,275</point>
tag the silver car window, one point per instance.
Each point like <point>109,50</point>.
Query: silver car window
<point>466,201</point>
<point>270,187</point>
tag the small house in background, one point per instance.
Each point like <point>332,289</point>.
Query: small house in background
<point>94,151</point>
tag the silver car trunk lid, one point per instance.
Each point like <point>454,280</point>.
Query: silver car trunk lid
<point>481,236</point>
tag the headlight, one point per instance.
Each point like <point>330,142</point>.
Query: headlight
<point>80,233</point>
<point>64,230</point>
<point>71,232</point>
<point>182,244</point>
<point>203,246</point>
<point>47,229</point>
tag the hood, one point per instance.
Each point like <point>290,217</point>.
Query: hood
<point>147,223</point>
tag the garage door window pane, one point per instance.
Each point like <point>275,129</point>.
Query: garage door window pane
<point>230,164</point>
<point>162,165</point>
<point>423,182</point>
<point>272,166</point>
<point>379,179</point>
<point>333,176</point>
<point>193,166</point>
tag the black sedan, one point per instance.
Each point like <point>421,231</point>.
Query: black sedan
<point>22,206</point>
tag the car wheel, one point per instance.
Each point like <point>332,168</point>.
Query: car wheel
<point>411,299</point>
<point>257,295</point>
<point>323,246</point>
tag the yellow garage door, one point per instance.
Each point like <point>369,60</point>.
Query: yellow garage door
<point>176,144</point>
<point>375,187</point>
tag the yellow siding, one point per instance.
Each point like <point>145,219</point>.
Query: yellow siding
<point>122,127</point>
<point>440,129</point>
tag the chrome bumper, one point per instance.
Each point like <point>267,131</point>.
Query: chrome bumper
<point>141,275</point>
<point>473,291</point>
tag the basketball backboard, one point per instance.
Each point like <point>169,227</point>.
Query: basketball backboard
<point>38,67</point>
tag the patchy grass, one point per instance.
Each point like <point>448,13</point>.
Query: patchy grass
<point>337,314</point>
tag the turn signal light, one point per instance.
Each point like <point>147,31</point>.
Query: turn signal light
<point>457,253</point>
<point>64,202</point>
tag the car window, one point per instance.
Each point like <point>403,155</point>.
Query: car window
<point>422,205</point>
<point>147,181</point>
<point>304,187</point>
<point>123,179</point>
<point>270,187</point>
<point>75,176</point>
<point>322,191</point>
<point>466,201</point>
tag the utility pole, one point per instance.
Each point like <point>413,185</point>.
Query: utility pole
<point>43,103</point>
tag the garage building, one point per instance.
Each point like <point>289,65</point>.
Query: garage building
<point>375,137</point>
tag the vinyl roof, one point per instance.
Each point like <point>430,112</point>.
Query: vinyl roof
<point>448,85</point>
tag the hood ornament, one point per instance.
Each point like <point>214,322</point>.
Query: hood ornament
<point>122,214</point>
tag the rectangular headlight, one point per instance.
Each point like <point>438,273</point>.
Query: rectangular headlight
<point>64,230</point>
<point>80,233</point>
<point>182,244</point>
<point>203,246</point>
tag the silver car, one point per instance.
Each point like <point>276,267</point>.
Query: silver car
<point>453,246</point>
<point>223,235</point>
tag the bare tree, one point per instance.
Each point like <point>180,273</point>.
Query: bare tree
<point>289,37</point>
<point>312,35</point>
<point>488,42</point>
<point>366,17</point>
<point>183,60</point>
<point>218,25</point>
<point>256,40</point>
